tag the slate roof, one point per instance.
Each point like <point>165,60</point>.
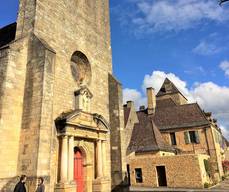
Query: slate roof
<point>179,116</point>
<point>168,88</point>
<point>7,34</point>
<point>146,136</point>
<point>165,103</point>
<point>169,115</point>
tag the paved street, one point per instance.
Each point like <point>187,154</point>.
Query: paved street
<point>222,187</point>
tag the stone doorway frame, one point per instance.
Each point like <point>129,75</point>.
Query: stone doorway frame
<point>74,131</point>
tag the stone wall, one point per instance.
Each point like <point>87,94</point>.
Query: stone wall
<point>118,147</point>
<point>132,119</point>
<point>206,146</point>
<point>37,121</point>
<point>227,154</point>
<point>182,171</point>
<point>217,154</point>
<point>56,30</point>
<point>12,79</point>
<point>198,148</point>
<point>177,98</point>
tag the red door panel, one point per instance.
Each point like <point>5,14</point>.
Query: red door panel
<point>78,171</point>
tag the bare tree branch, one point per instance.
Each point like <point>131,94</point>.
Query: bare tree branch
<point>222,1</point>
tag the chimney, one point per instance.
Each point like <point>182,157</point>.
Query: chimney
<point>151,100</point>
<point>142,108</point>
<point>130,104</point>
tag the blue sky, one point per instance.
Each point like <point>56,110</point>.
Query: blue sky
<point>185,40</point>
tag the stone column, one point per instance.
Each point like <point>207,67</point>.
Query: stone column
<point>64,160</point>
<point>71,159</point>
<point>104,154</point>
<point>99,159</point>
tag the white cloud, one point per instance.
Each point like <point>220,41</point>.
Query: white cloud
<point>225,131</point>
<point>175,15</point>
<point>196,70</point>
<point>214,98</point>
<point>206,48</point>
<point>156,79</point>
<point>225,67</point>
<point>134,95</point>
<point>210,96</point>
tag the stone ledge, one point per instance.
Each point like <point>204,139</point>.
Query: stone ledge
<point>65,187</point>
<point>101,184</point>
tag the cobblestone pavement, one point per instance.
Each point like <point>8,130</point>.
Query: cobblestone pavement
<point>222,187</point>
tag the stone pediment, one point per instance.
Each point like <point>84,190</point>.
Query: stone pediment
<point>79,119</point>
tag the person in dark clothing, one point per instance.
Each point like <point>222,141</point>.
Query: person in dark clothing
<point>40,186</point>
<point>20,187</point>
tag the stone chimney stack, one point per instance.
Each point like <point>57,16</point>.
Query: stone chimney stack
<point>151,100</point>
<point>130,104</point>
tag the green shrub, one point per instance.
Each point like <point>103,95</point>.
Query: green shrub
<point>206,185</point>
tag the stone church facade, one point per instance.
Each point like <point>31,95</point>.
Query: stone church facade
<point>61,114</point>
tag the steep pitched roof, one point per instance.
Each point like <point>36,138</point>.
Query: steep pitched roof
<point>165,103</point>
<point>126,114</point>
<point>168,88</point>
<point>146,136</point>
<point>179,116</point>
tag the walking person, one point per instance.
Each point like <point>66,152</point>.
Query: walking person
<point>40,186</point>
<point>20,187</point>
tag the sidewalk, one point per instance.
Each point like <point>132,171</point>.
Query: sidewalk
<point>221,187</point>
<point>145,189</point>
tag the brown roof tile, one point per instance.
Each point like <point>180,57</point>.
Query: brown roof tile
<point>165,103</point>
<point>187,115</point>
<point>146,136</point>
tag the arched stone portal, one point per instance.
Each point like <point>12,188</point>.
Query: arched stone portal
<point>83,143</point>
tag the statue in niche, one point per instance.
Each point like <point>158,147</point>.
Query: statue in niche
<point>83,99</point>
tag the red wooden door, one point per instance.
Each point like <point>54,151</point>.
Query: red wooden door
<point>78,170</point>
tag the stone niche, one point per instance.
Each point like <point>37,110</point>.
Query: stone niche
<point>83,98</point>
<point>80,68</point>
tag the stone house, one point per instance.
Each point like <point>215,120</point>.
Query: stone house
<point>226,147</point>
<point>59,117</point>
<point>170,133</point>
